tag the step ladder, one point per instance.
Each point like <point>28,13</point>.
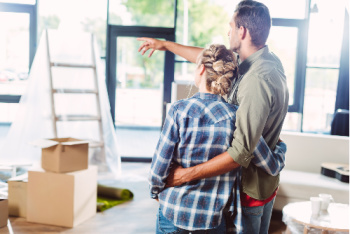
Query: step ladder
<point>57,118</point>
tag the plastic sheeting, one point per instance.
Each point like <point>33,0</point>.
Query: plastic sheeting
<point>34,118</point>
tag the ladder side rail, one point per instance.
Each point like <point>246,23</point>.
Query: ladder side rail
<point>53,111</point>
<point>98,99</point>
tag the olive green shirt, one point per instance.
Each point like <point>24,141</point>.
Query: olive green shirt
<point>262,95</point>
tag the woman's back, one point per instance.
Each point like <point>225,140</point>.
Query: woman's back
<point>204,125</point>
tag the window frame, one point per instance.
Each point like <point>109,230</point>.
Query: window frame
<point>301,58</point>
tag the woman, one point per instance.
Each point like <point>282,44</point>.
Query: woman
<point>195,130</point>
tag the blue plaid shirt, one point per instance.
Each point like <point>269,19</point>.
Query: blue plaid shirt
<point>196,130</point>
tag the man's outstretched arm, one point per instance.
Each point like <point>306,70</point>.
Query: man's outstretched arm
<point>218,165</point>
<point>189,53</point>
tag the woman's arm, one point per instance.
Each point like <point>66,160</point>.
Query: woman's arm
<point>163,155</point>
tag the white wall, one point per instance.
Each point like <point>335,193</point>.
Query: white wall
<point>306,152</point>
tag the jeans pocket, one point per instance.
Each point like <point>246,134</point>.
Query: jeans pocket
<point>165,225</point>
<point>254,211</point>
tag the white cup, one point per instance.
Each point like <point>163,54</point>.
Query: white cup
<point>325,200</point>
<point>315,205</point>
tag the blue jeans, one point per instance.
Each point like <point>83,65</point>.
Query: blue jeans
<point>256,220</point>
<point>164,226</point>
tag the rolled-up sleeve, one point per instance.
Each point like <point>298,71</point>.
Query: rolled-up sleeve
<point>272,162</point>
<point>254,100</point>
<point>163,155</point>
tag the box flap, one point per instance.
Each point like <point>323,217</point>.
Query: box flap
<point>74,142</point>
<point>43,143</point>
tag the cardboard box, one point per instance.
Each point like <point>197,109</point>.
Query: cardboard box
<point>182,90</point>
<point>63,154</point>
<point>17,196</point>
<point>62,199</point>
<point>4,214</point>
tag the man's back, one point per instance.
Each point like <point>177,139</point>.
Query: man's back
<point>268,70</point>
<point>262,96</point>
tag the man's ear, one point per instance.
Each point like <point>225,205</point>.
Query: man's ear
<point>242,32</point>
<point>201,69</point>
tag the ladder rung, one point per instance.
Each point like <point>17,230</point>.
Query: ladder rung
<point>72,65</point>
<point>74,91</point>
<point>95,144</point>
<point>77,118</point>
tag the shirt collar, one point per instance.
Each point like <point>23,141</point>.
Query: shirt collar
<point>208,96</point>
<point>247,63</point>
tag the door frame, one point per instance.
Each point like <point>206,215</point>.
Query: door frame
<point>114,31</point>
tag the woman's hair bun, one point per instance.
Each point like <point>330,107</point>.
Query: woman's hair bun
<point>221,68</point>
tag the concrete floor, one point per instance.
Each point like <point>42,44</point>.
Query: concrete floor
<point>136,216</point>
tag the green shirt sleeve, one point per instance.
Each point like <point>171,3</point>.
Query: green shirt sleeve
<point>255,98</point>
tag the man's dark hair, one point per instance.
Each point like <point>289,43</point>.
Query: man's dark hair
<point>255,17</point>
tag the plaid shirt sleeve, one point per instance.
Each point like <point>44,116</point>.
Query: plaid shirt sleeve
<point>163,155</point>
<point>272,162</point>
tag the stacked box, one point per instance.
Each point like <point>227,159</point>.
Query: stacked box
<point>63,154</point>
<point>64,191</point>
<point>62,199</point>
<point>3,215</point>
<point>17,196</point>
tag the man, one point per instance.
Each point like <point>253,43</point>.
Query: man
<point>262,95</point>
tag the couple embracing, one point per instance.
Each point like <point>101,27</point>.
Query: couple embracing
<point>216,166</point>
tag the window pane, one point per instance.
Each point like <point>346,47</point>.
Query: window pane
<point>152,13</point>
<point>325,33</point>
<point>14,52</point>
<point>319,102</point>
<point>88,16</point>
<point>184,71</point>
<point>139,99</point>
<point>205,23</point>
<point>283,42</point>
<point>31,2</point>
<point>290,9</point>
<point>292,122</point>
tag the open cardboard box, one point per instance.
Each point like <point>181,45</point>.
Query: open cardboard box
<point>62,199</point>
<point>17,195</point>
<point>4,214</point>
<point>63,154</point>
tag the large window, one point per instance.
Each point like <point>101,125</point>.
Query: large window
<point>306,35</point>
<point>25,23</point>
<point>308,43</point>
<point>322,69</point>
<point>17,48</point>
